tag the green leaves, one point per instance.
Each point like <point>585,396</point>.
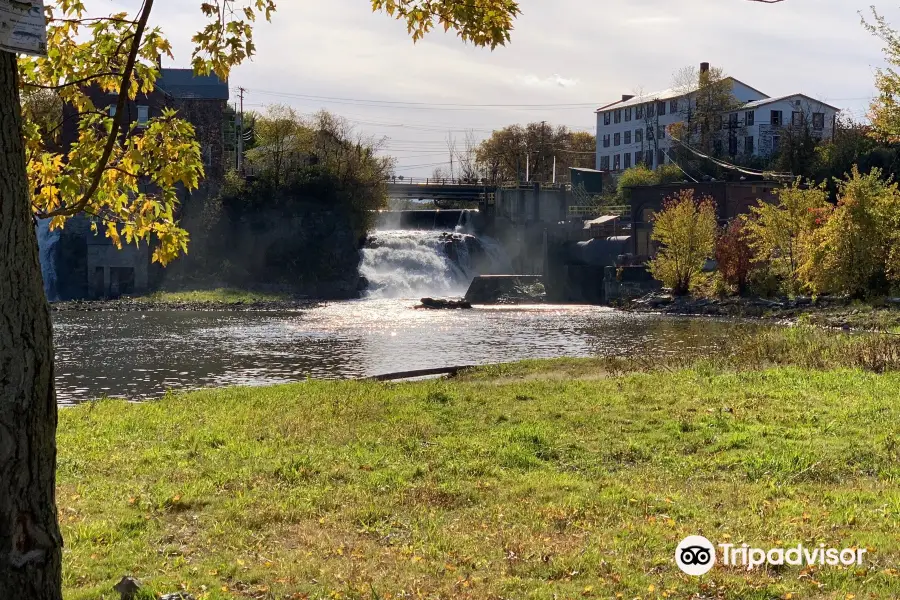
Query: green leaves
<point>227,40</point>
<point>481,22</point>
<point>686,228</point>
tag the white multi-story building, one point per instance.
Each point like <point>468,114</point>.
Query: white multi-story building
<point>634,129</point>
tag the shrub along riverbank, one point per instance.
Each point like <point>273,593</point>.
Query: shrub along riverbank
<point>567,478</point>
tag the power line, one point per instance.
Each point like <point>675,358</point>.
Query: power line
<point>406,104</point>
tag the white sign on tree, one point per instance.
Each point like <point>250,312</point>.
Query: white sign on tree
<point>23,27</point>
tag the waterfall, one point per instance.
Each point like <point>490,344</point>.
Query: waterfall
<point>416,263</point>
<point>47,241</point>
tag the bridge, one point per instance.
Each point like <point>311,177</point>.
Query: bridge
<point>440,190</point>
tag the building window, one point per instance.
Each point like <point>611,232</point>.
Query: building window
<point>796,118</point>
<point>627,114</point>
<point>639,111</point>
<point>717,147</point>
<point>627,139</point>
<point>748,145</point>
<point>661,108</point>
<point>617,116</point>
<point>649,133</point>
<point>604,163</point>
<point>617,139</point>
<point>638,136</point>
<point>617,165</point>
<point>112,110</point>
<point>661,131</point>
<point>732,145</point>
<point>673,106</point>
<point>718,122</point>
<point>606,141</point>
<point>638,158</point>
<point>660,157</point>
<point>606,118</point>
<point>749,118</point>
<point>775,118</point>
<point>733,120</point>
<point>776,143</point>
<point>143,115</point>
<point>648,158</point>
<point>819,121</point>
<point>627,158</point>
<point>651,110</point>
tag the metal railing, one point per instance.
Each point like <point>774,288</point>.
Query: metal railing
<point>401,179</point>
<point>622,210</point>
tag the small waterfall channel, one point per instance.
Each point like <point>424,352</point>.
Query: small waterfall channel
<point>47,244</point>
<point>412,261</point>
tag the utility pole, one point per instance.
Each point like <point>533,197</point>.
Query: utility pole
<point>541,151</point>
<point>240,133</point>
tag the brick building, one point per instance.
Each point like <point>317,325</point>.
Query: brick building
<point>731,198</point>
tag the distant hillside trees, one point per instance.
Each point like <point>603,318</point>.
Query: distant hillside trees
<point>509,152</point>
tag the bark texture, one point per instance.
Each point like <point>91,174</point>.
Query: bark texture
<point>30,541</point>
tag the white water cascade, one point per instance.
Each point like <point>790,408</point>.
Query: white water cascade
<point>47,241</point>
<point>414,263</point>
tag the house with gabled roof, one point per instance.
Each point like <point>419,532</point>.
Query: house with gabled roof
<point>637,129</point>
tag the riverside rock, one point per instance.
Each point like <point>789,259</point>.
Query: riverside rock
<point>442,303</point>
<point>128,587</point>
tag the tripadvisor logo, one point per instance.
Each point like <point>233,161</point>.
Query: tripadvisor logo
<point>696,555</point>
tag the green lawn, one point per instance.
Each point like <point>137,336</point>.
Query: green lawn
<point>219,296</point>
<point>558,479</point>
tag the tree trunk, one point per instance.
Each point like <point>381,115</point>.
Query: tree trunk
<point>30,542</point>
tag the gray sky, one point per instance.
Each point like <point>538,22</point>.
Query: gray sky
<point>566,52</point>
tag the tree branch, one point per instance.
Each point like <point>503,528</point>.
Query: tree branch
<point>69,83</point>
<point>117,119</point>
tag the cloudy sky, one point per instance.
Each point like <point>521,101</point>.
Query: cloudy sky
<point>566,57</point>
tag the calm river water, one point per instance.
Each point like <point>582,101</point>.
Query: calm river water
<point>143,355</point>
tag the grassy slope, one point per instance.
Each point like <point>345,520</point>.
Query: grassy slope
<point>512,483</point>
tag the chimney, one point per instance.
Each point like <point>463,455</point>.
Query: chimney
<point>627,97</point>
<point>704,67</point>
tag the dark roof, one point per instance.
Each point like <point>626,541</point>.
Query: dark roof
<point>183,83</point>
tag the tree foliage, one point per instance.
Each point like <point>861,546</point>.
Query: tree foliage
<point>734,255</point>
<point>282,141</point>
<point>125,176</point>
<point>505,155</point>
<point>779,233</point>
<point>857,249</point>
<point>885,109</point>
<point>482,22</point>
<point>686,228</point>
<point>707,95</point>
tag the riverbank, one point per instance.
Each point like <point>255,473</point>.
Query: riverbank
<point>833,312</point>
<point>215,299</point>
<point>566,478</point>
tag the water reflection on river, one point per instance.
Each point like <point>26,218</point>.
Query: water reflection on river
<point>141,355</point>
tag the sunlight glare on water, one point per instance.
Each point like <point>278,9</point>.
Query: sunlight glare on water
<point>142,355</point>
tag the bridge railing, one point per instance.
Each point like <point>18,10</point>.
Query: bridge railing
<point>401,179</point>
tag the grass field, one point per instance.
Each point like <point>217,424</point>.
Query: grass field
<point>554,479</point>
<point>218,296</point>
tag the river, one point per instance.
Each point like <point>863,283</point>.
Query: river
<point>143,355</point>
